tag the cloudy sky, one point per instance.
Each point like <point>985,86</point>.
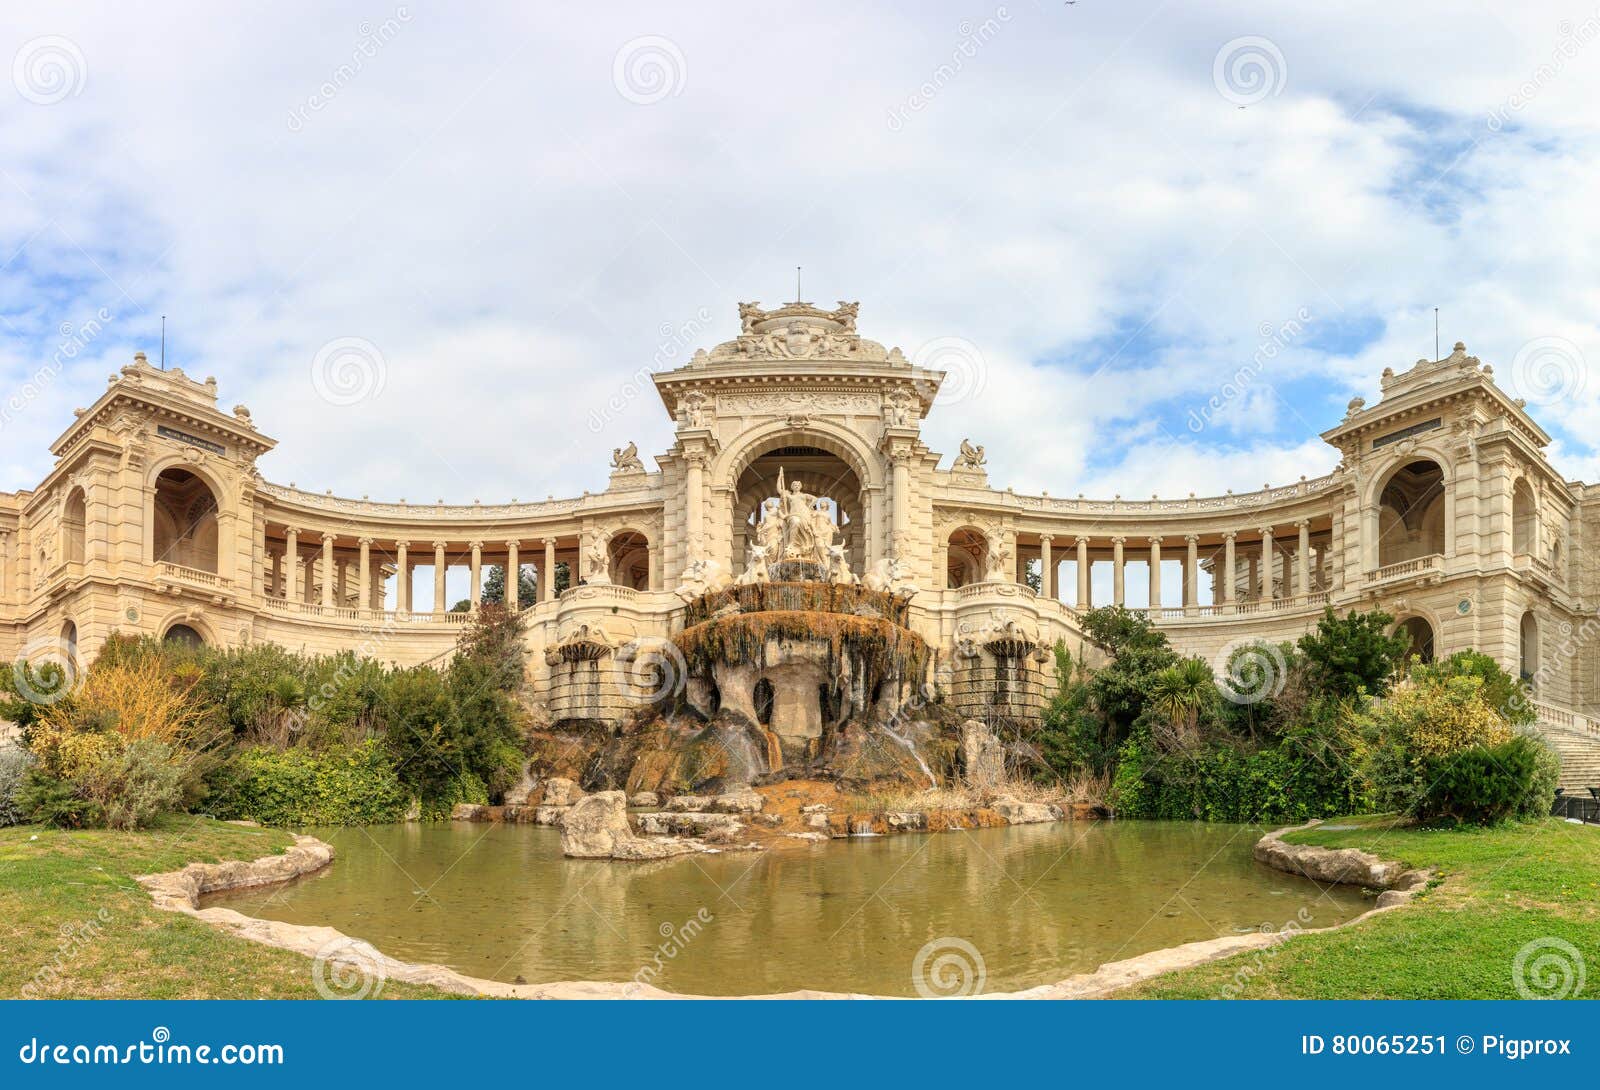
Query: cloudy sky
<point>427,245</point>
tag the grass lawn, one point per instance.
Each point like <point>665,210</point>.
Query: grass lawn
<point>1501,889</point>
<point>76,925</point>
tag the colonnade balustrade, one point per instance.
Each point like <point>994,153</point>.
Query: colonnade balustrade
<point>1268,569</point>
<point>341,577</point>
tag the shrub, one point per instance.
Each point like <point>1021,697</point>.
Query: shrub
<point>1504,693</point>
<point>50,800</point>
<point>1485,785</point>
<point>1354,654</point>
<point>1415,735</point>
<point>15,764</point>
<point>131,785</point>
<point>344,785</point>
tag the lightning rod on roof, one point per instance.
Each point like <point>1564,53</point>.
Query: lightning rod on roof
<point>163,342</point>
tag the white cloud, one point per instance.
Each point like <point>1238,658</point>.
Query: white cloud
<point>480,202</point>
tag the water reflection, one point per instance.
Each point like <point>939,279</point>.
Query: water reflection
<point>1038,903</point>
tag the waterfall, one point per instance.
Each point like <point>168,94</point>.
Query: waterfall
<point>933,781</point>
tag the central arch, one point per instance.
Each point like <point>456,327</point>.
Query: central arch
<point>827,459</point>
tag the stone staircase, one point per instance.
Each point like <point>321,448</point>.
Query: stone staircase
<point>1576,740</point>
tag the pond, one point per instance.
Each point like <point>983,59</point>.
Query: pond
<point>1018,906</point>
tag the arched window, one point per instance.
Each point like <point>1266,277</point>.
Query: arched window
<point>74,520</point>
<point>1411,514</point>
<point>630,560</point>
<point>184,635</point>
<point>1420,633</point>
<point>1529,646</point>
<point>966,557</point>
<point>1524,520</point>
<point>185,521</point>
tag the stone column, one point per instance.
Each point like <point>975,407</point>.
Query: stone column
<point>1155,574</point>
<point>694,500</point>
<point>326,570</point>
<point>1230,562</point>
<point>342,589</point>
<point>438,577</point>
<point>1302,557</point>
<point>477,574</point>
<point>1116,570</point>
<point>1083,573</point>
<point>275,588</point>
<point>364,574</point>
<point>1047,571</point>
<point>901,502</point>
<point>291,556</point>
<point>1266,563</point>
<point>513,576</point>
<point>402,577</point>
<point>1191,572</point>
<point>547,577</point>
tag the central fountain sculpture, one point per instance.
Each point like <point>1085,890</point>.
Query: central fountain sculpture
<point>799,651</point>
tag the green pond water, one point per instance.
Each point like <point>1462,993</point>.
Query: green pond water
<point>1029,904</point>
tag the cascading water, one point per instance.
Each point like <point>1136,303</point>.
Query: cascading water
<point>911,747</point>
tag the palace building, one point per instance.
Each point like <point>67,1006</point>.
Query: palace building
<point>1443,510</point>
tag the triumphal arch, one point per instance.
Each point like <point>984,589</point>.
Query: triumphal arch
<point>798,459</point>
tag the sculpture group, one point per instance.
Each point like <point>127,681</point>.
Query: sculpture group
<point>796,528</point>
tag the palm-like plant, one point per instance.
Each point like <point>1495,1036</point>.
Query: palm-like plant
<point>1181,693</point>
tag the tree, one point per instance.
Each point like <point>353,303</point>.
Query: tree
<point>1182,693</point>
<point>494,586</point>
<point>1354,654</point>
<point>1506,694</point>
<point>1120,690</point>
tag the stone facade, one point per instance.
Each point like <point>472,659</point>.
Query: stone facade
<point>1443,510</point>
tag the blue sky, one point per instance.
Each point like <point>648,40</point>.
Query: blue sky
<point>510,209</point>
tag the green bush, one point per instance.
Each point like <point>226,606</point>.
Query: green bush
<point>343,785</point>
<point>1486,785</point>
<point>1226,781</point>
<point>15,763</point>
<point>131,785</point>
<point>1354,654</point>
<point>48,800</point>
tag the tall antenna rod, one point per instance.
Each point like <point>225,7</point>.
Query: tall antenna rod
<point>1436,333</point>
<point>163,342</point>
<point>797,295</point>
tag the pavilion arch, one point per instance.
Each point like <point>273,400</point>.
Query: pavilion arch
<point>1423,634</point>
<point>832,438</point>
<point>743,479</point>
<point>632,559</point>
<point>187,517</point>
<point>74,526</point>
<point>179,623</point>
<point>1528,646</point>
<point>1524,519</point>
<point>1408,511</point>
<point>966,556</point>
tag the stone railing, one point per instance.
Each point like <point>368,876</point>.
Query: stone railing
<point>459,512</point>
<point>1298,603</point>
<point>612,591</point>
<point>358,615</point>
<point>1155,505</point>
<point>997,587</point>
<point>1565,718</point>
<point>1405,569</point>
<point>192,576</point>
